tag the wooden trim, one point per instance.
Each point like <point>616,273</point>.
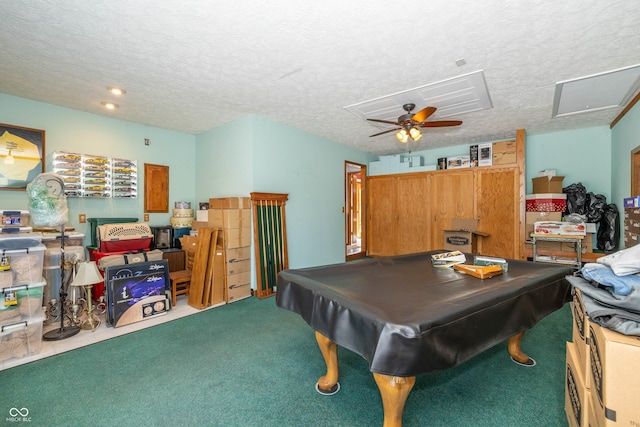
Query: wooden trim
<point>520,161</point>
<point>625,111</point>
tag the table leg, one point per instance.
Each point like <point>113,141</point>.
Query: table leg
<point>394,392</point>
<point>517,355</point>
<point>328,384</point>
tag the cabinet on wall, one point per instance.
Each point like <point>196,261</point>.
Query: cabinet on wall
<point>398,207</point>
<point>408,212</point>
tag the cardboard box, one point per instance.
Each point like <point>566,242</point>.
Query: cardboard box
<point>577,398</point>
<point>615,375</point>
<point>632,202</point>
<point>238,267</point>
<point>473,156</point>
<point>239,279</point>
<point>547,184</point>
<point>238,254</point>
<point>533,217</point>
<point>458,162</point>
<point>238,292</point>
<point>580,334</point>
<point>236,237</point>
<point>587,245</point>
<point>549,246</point>
<point>485,156</point>
<point>631,239</point>
<point>504,152</point>
<point>230,203</point>
<point>202,216</point>
<point>554,228</point>
<point>229,218</point>
<point>546,202</point>
<point>463,235</point>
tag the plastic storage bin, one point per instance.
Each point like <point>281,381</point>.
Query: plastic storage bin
<point>15,218</point>
<point>21,303</point>
<point>26,264</point>
<point>52,240</point>
<point>19,240</point>
<point>52,256</point>
<point>20,339</point>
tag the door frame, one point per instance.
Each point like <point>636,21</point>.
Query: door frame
<point>351,168</point>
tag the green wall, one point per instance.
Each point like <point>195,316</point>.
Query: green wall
<point>79,132</point>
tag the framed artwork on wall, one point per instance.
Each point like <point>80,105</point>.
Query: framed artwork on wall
<point>21,156</point>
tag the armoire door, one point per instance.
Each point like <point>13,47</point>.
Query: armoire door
<point>413,213</point>
<point>383,217</point>
<point>452,196</point>
<point>498,194</point>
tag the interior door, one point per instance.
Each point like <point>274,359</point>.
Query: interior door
<point>452,196</point>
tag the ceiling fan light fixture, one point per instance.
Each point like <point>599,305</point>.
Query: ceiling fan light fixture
<point>402,136</point>
<point>415,133</point>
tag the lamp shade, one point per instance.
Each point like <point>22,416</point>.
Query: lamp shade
<point>88,274</point>
<point>415,134</point>
<point>402,136</point>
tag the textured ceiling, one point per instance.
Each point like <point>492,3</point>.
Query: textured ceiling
<point>192,65</point>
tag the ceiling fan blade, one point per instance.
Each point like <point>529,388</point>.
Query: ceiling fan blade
<point>423,114</point>
<point>440,123</point>
<point>385,121</point>
<point>386,131</point>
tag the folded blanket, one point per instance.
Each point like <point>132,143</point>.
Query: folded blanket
<point>622,285</point>
<point>623,262</point>
<point>618,313</point>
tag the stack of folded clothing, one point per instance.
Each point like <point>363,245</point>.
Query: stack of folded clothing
<point>611,290</point>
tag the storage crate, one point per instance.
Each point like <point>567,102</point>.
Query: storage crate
<point>21,303</point>
<point>20,339</point>
<point>95,222</point>
<point>25,264</point>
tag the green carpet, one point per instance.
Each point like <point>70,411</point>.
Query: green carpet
<point>251,363</point>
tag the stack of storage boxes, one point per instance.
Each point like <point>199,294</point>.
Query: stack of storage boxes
<point>546,203</point>
<point>602,373</point>
<point>21,287</point>
<point>631,221</point>
<point>232,215</point>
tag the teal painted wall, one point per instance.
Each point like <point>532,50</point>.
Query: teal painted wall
<point>581,156</point>
<point>79,132</point>
<point>625,137</point>
<point>255,154</point>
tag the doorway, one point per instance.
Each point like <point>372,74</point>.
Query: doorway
<point>355,241</point>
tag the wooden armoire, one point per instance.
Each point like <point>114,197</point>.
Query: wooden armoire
<point>408,212</point>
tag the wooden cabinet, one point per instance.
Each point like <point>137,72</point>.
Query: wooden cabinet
<point>498,211</point>
<point>452,196</point>
<point>398,207</point>
<point>408,212</point>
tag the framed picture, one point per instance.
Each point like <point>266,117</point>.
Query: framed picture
<point>21,156</point>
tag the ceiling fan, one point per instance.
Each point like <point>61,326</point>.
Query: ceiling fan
<point>409,124</point>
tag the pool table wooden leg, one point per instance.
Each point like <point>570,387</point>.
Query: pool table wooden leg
<point>516,353</point>
<point>394,392</point>
<point>328,383</point>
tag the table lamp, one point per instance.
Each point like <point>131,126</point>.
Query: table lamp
<point>88,275</point>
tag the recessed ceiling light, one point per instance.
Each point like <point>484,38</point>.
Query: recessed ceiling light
<point>110,105</point>
<point>116,90</point>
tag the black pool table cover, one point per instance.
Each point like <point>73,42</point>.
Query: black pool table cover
<point>406,317</point>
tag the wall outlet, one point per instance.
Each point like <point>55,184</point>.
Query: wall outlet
<point>146,217</point>
<point>82,218</point>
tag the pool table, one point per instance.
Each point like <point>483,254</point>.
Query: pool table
<point>407,317</point>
